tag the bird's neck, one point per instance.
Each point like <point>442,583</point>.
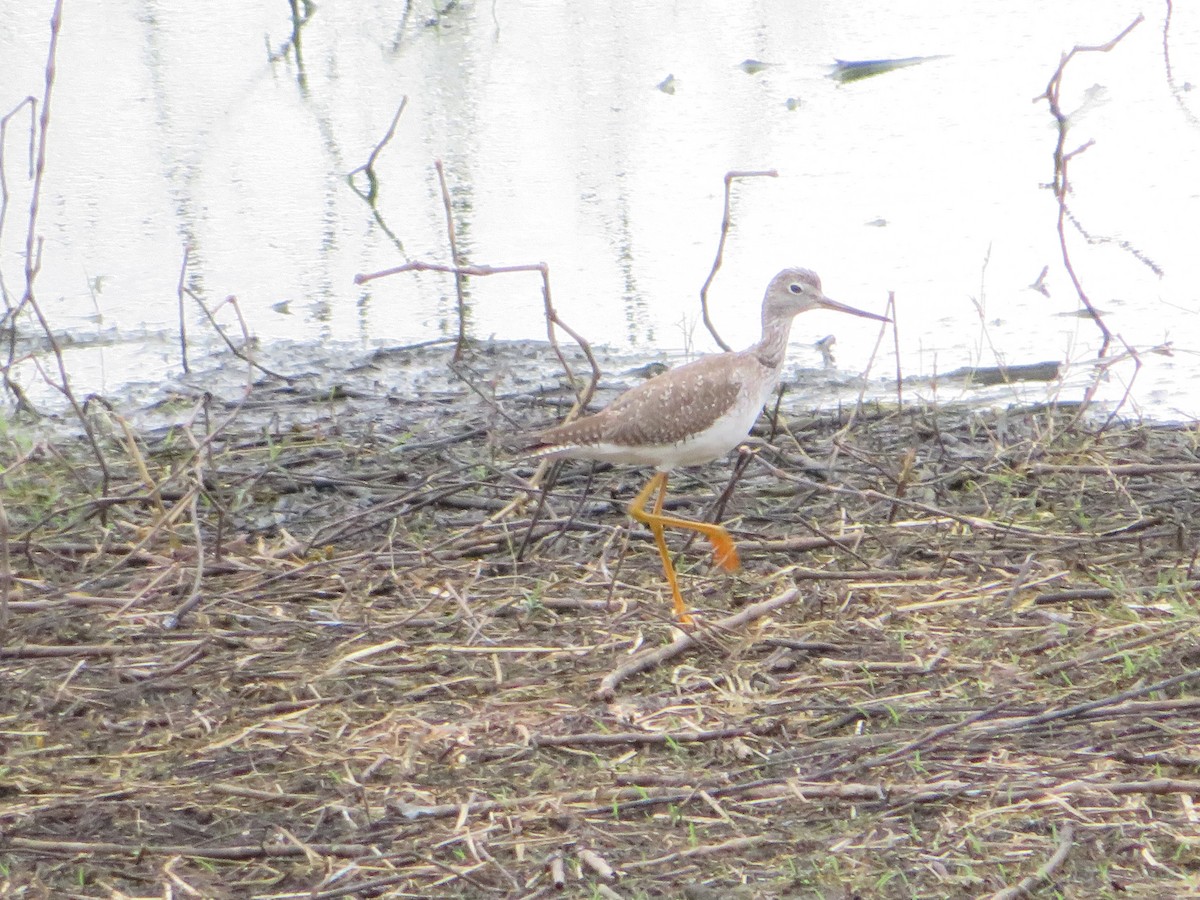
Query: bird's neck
<point>772,347</point>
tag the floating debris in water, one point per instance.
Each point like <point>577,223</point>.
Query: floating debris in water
<point>792,103</point>
<point>825,345</point>
<point>1083,314</point>
<point>989,376</point>
<point>854,70</point>
<point>1040,284</point>
<point>753,66</point>
<point>667,85</point>
<point>649,370</point>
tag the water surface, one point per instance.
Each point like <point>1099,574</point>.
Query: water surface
<point>178,124</point>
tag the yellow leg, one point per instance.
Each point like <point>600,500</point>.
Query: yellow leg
<point>654,523</point>
<point>724,550</point>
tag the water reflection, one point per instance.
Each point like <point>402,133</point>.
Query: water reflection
<point>231,128</point>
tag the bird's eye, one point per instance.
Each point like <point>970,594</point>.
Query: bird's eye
<point>796,288</point>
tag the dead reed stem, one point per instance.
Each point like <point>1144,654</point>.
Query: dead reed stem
<point>726,222</point>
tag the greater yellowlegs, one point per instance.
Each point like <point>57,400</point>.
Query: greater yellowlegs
<point>692,415</point>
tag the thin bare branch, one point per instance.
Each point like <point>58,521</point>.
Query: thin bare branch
<point>648,659</point>
<point>368,168</point>
<point>726,221</point>
<point>1062,159</point>
<point>1027,885</point>
<point>459,278</point>
<point>179,290</point>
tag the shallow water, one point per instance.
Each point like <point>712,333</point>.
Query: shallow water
<point>182,124</point>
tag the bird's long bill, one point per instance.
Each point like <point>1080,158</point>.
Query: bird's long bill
<point>826,303</point>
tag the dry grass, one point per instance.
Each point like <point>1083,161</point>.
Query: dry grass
<point>306,661</point>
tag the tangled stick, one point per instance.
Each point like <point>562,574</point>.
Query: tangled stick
<point>1028,884</point>
<point>648,659</point>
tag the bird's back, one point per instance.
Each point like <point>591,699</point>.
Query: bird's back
<point>686,416</point>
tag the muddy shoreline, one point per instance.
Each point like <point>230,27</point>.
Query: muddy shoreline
<point>322,640</point>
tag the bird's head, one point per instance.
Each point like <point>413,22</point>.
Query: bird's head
<point>794,291</point>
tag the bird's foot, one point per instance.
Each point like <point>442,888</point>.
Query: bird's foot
<point>725,553</point>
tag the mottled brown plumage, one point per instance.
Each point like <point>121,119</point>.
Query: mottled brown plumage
<point>665,412</point>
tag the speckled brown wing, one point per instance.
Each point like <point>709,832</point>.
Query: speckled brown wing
<point>674,406</point>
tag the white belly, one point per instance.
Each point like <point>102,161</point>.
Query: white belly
<point>724,434</point>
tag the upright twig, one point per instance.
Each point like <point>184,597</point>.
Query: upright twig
<point>744,458</point>
<point>33,251</point>
<point>11,311</point>
<point>459,278</point>
<point>551,471</point>
<point>244,356</point>
<point>31,102</point>
<point>292,44</point>
<point>584,397</point>
<point>368,168</point>
<point>1103,366</point>
<point>1062,159</point>
<point>183,357</point>
<point>725,222</point>
<point>195,594</point>
<point>5,572</point>
<point>862,392</point>
<point>299,20</point>
<point>1176,90</point>
<point>892,313</point>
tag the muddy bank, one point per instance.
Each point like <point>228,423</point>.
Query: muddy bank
<point>321,640</point>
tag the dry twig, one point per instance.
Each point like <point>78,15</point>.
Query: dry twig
<point>648,659</point>
<point>726,221</point>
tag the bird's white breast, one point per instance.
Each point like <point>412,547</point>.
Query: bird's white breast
<point>718,439</point>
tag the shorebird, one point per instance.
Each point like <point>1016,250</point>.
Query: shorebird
<point>692,415</point>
